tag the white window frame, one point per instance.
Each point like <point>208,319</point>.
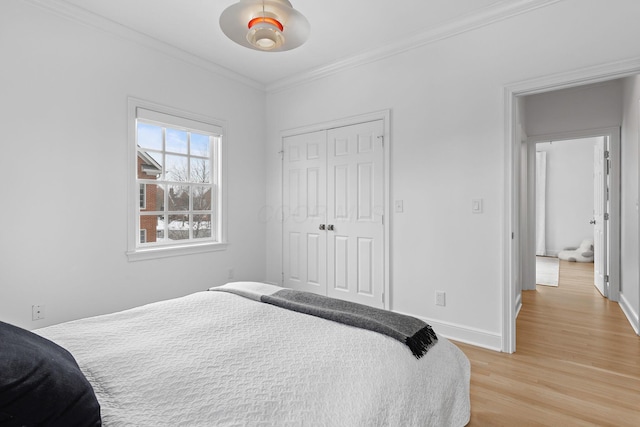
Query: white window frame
<point>177,119</point>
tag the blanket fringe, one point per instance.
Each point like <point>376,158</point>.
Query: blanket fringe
<point>421,341</point>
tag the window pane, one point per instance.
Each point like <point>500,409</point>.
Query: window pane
<point>178,227</point>
<point>159,228</point>
<point>153,197</point>
<point>201,198</point>
<point>176,141</point>
<point>143,196</point>
<point>200,170</point>
<point>200,145</point>
<point>178,197</point>
<point>149,226</point>
<point>149,165</point>
<point>201,226</point>
<point>149,136</point>
<point>177,168</point>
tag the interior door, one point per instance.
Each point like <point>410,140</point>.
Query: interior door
<point>599,211</point>
<point>355,208</point>
<point>304,212</point>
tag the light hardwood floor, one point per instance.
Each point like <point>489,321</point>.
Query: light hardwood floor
<point>577,361</point>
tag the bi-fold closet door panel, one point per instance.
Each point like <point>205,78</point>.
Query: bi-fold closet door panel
<point>333,232</point>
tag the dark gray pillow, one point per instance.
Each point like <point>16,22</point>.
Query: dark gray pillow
<point>41,383</point>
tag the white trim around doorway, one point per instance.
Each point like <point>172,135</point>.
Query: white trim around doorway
<point>589,75</point>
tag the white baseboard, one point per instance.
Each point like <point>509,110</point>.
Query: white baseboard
<point>628,311</point>
<point>464,334</point>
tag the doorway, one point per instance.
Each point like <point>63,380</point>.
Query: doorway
<point>579,204</point>
<point>514,236</point>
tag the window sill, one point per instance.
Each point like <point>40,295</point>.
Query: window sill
<point>173,251</point>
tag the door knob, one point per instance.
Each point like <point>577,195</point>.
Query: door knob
<point>330,227</point>
<point>593,221</point>
<point>322,227</point>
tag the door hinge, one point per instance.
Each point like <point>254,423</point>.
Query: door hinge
<point>606,154</point>
<point>606,216</point>
<point>281,152</point>
<point>606,277</point>
<point>381,138</point>
<point>513,235</point>
<point>382,219</point>
<point>383,297</point>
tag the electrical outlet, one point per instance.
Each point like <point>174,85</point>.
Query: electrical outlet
<point>440,298</point>
<point>37,312</point>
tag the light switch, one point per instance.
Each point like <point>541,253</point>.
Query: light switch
<point>399,206</point>
<point>476,206</point>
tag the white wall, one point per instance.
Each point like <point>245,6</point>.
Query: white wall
<point>63,115</point>
<point>569,195</point>
<point>630,257</point>
<point>447,148</point>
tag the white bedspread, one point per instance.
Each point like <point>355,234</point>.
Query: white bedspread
<point>218,359</point>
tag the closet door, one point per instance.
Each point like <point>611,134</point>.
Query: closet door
<point>355,208</point>
<point>333,198</point>
<point>304,207</point>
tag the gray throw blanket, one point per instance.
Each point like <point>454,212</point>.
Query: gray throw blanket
<point>416,334</point>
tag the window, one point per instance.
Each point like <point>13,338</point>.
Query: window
<point>177,163</point>
<point>143,196</point>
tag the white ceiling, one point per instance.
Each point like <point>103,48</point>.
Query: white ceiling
<point>341,30</point>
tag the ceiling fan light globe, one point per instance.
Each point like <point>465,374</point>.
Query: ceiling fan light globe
<point>265,43</point>
<point>265,36</point>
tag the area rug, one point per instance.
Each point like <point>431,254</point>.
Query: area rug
<point>547,271</point>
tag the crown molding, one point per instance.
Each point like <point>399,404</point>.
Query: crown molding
<point>83,16</point>
<point>497,12</point>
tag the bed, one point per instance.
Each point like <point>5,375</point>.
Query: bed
<point>226,359</point>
